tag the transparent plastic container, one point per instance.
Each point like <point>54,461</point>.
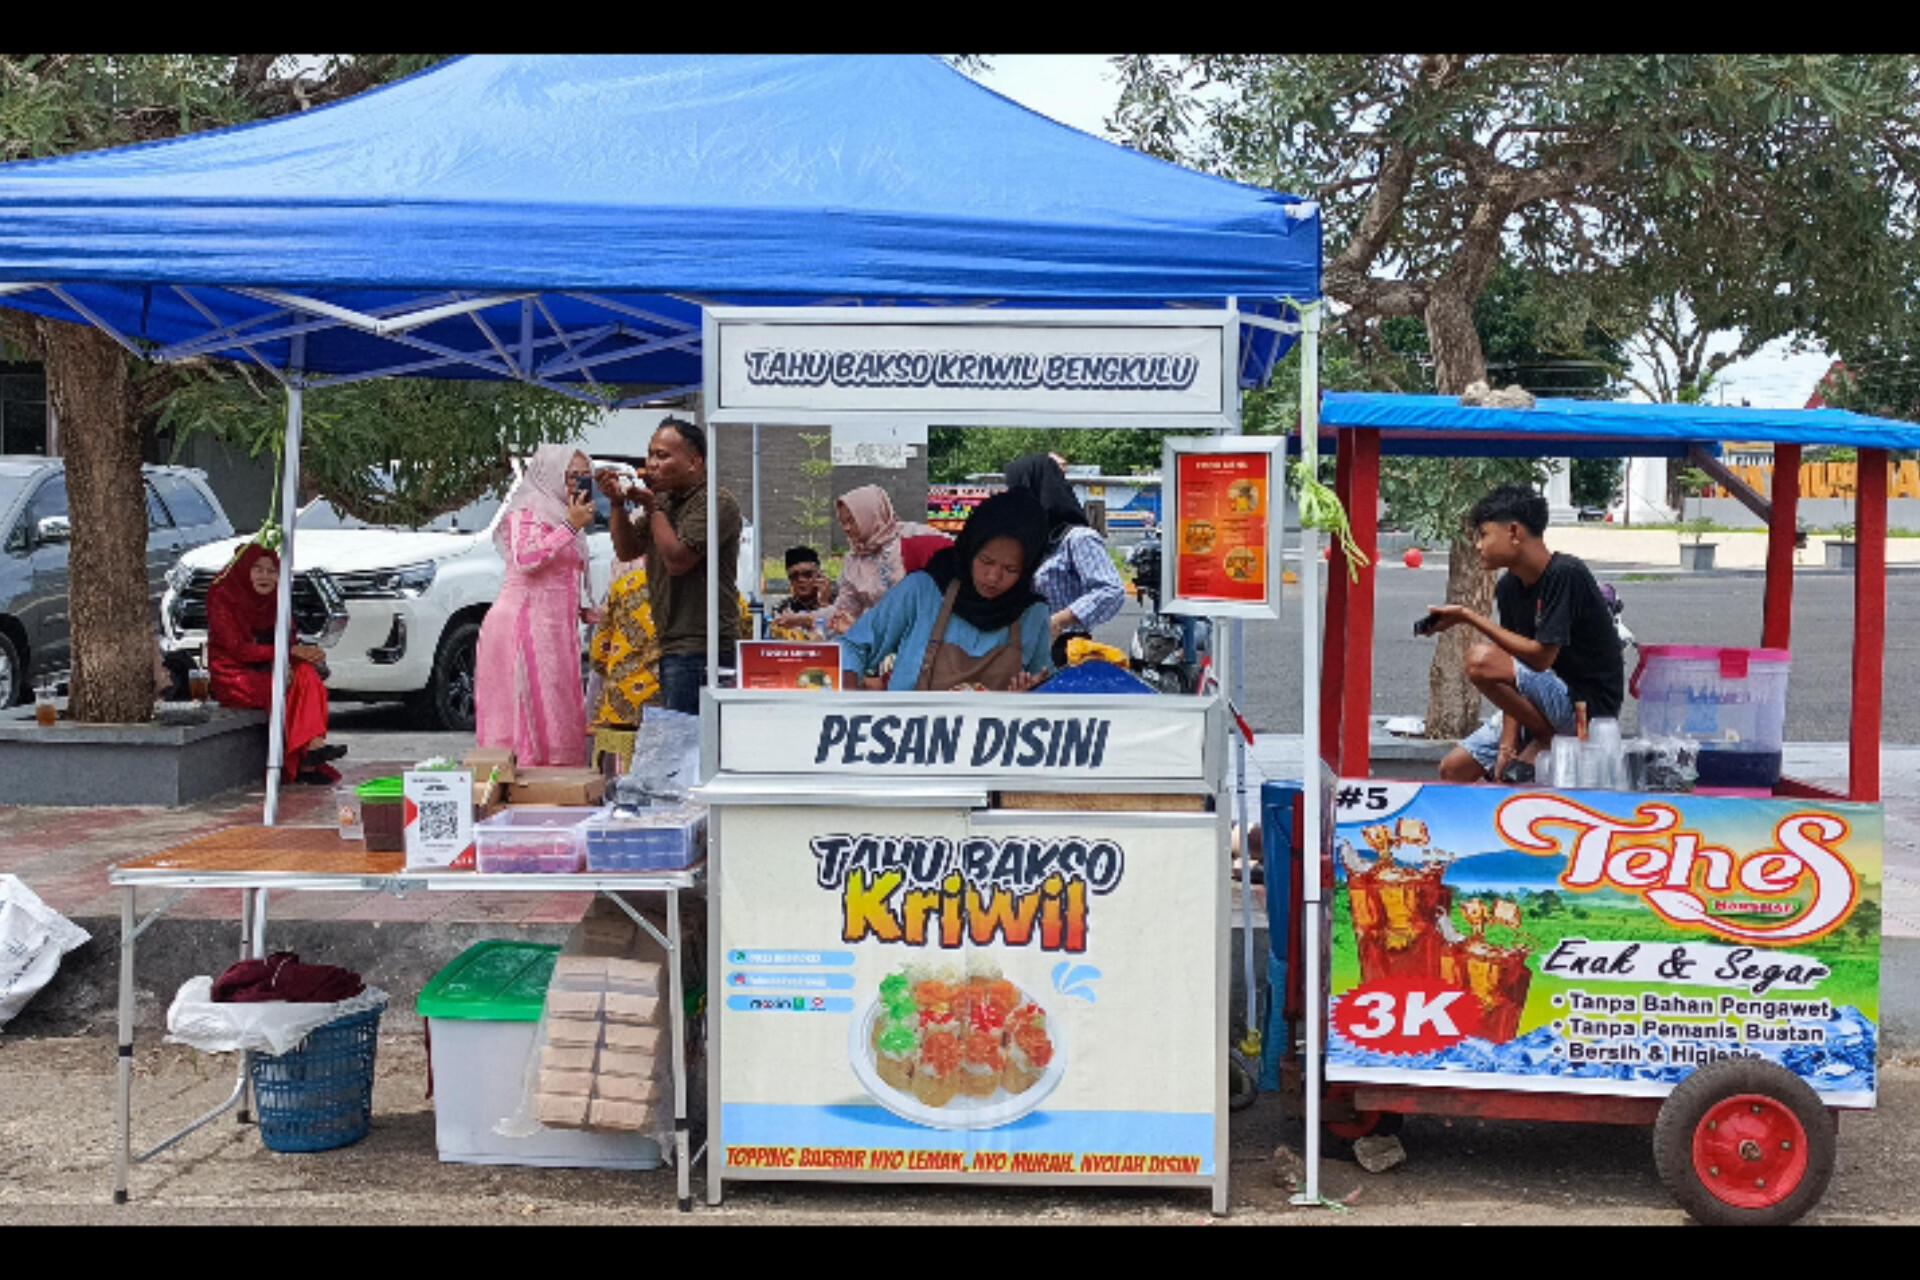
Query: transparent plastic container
<point>1733,702</point>
<point>530,840</point>
<point>667,838</point>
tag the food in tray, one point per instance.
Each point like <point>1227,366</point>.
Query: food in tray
<point>940,1034</point>
<point>1242,564</point>
<point>1243,495</point>
<point>1198,537</point>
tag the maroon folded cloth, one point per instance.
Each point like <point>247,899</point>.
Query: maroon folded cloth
<point>281,976</point>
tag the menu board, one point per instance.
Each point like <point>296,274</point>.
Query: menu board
<point>1222,530</point>
<point>782,664</point>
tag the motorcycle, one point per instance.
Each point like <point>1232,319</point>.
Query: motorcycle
<point>1168,651</point>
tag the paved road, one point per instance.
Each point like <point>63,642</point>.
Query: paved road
<point>1681,609</point>
<point>56,1135</point>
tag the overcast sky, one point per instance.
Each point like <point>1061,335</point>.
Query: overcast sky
<point>1082,89</point>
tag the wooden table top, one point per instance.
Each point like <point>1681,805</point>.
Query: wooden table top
<point>271,850</point>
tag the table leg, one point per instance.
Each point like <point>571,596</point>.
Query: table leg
<point>245,1114</point>
<point>677,1011</point>
<point>123,1111</point>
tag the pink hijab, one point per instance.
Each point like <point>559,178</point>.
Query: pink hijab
<point>873,520</point>
<point>542,490</point>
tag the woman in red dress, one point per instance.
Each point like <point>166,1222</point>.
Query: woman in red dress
<point>241,608</point>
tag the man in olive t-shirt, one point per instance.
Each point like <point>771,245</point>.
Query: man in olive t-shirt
<point>1554,647</point>
<point>670,528</point>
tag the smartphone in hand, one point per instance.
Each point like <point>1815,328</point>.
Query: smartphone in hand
<point>1425,626</point>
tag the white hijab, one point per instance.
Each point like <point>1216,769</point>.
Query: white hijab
<point>542,489</point>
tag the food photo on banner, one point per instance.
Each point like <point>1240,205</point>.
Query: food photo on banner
<point>1599,942</point>
<point>909,990</point>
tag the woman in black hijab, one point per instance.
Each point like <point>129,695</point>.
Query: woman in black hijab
<point>1077,578</point>
<point>970,619</point>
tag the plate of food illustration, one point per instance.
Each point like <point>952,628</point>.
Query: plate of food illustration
<point>1199,537</point>
<point>1242,564</point>
<point>813,678</point>
<point>956,1050</point>
<point>1243,495</point>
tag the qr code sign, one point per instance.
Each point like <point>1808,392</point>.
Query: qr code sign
<point>439,819</point>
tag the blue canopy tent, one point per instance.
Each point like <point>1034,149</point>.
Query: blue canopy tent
<point>568,220</point>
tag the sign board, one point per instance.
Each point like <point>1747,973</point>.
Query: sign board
<point>1222,556</point>
<point>1026,738</point>
<point>1601,942</point>
<point>439,817</point>
<point>914,991</point>
<point>779,664</point>
<point>1172,368</point>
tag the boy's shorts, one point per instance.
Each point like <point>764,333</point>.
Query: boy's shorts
<point>1546,691</point>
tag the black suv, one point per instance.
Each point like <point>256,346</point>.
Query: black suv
<point>182,513</point>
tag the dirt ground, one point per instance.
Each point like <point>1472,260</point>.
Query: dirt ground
<point>56,1144</point>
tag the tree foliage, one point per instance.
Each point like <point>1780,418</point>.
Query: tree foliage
<point>954,453</point>
<point>395,451</point>
<point>1770,192</point>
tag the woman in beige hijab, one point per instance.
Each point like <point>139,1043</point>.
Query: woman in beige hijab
<point>873,565</point>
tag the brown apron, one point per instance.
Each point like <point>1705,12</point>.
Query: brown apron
<point>949,665</point>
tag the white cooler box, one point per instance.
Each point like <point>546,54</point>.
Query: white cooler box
<point>482,1013</point>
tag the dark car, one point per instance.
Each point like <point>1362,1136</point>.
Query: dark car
<point>182,513</point>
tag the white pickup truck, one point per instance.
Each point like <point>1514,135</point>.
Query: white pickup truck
<point>413,598</point>
<point>414,601</point>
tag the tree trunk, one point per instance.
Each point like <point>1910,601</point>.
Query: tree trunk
<point>1453,704</point>
<point>109,607</point>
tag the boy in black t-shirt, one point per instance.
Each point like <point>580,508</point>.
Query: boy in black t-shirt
<point>1555,644</point>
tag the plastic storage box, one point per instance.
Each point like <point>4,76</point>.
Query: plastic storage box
<point>530,839</point>
<point>482,1013</point>
<point>669,838</point>
<point>1733,702</point>
<point>383,815</point>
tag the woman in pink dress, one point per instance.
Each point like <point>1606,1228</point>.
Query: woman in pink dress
<point>528,694</point>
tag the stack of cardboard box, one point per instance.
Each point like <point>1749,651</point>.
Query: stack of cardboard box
<point>603,1063</point>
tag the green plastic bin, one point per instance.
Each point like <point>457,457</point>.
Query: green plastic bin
<point>482,1013</point>
<point>494,981</point>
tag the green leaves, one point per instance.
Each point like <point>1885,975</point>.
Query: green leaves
<point>391,450</point>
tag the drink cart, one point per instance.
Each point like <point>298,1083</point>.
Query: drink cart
<point>1699,962</point>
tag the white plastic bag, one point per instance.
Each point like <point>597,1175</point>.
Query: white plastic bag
<point>33,937</point>
<point>266,1026</point>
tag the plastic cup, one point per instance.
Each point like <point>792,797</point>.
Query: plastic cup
<point>45,714</point>
<point>199,685</point>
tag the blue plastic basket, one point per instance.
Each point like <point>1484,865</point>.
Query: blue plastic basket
<point>320,1095</point>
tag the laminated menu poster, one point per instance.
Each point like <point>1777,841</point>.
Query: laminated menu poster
<point>770,664</point>
<point>1601,941</point>
<point>1221,526</point>
<point>901,991</point>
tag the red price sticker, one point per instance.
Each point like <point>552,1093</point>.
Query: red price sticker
<point>1407,1015</point>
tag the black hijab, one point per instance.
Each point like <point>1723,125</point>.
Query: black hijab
<point>1013,514</point>
<point>1040,475</point>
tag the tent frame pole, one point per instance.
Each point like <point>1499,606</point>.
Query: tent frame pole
<point>1314,1004</point>
<point>283,608</point>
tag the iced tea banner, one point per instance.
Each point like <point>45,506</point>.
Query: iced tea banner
<point>1601,942</point>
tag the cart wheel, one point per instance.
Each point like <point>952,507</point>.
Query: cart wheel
<point>1243,1081</point>
<point>1367,1124</point>
<point>1744,1143</point>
